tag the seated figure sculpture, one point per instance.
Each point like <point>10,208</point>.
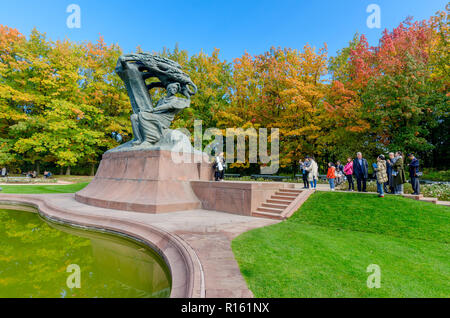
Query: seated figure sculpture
<point>153,172</point>
<point>151,123</point>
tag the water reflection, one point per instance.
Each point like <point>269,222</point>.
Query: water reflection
<point>34,255</point>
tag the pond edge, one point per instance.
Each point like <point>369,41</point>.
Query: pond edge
<point>184,265</point>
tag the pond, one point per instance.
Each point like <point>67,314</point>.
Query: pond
<point>41,259</point>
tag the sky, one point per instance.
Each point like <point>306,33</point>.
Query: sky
<point>235,27</point>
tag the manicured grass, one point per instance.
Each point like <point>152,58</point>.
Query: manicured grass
<point>436,175</point>
<point>324,249</point>
<point>36,189</point>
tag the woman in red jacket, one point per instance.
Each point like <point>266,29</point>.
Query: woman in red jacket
<point>331,175</point>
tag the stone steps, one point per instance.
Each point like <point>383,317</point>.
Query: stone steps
<point>271,210</point>
<point>287,194</point>
<point>420,197</point>
<point>268,215</point>
<point>278,201</point>
<point>282,197</point>
<point>274,207</point>
<point>431,200</point>
<point>296,191</point>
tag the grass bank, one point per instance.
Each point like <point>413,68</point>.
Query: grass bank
<point>37,189</point>
<point>324,249</point>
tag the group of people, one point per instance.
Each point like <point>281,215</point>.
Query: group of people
<point>33,174</point>
<point>29,174</point>
<point>310,172</point>
<point>390,173</point>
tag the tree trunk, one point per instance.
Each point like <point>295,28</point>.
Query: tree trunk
<point>38,168</point>
<point>61,170</point>
<point>93,169</point>
<point>68,171</point>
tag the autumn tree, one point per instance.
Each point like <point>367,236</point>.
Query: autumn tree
<point>393,81</point>
<point>282,88</point>
<point>214,81</point>
<point>12,100</point>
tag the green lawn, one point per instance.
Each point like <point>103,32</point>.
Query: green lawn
<point>35,189</point>
<point>324,249</point>
<point>436,175</point>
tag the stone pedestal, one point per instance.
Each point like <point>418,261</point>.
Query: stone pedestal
<point>151,181</point>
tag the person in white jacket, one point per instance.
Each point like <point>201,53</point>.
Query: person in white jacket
<point>219,167</point>
<point>313,172</point>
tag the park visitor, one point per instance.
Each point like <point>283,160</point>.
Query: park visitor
<point>380,169</point>
<point>331,175</point>
<point>389,185</point>
<point>398,172</point>
<point>31,174</point>
<point>219,167</point>
<point>313,172</point>
<point>360,170</point>
<point>414,173</point>
<point>304,173</point>
<point>348,170</point>
<point>4,172</point>
<point>339,173</point>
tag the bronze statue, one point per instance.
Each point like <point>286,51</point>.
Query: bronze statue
<point>150,124</point>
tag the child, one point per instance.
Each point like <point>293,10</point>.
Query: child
<point>331,175</point>
<point>382,177</point>
<point>339,173</point>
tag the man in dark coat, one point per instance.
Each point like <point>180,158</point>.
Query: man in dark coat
<point>360,170</point>
<point>398,171</point>
<point>389,164</point>
<point>414,173</point>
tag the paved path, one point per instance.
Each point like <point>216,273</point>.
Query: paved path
<point>209,233</point>
<point>326,187</point>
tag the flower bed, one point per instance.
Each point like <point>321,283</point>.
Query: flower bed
<point>26,180</point>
